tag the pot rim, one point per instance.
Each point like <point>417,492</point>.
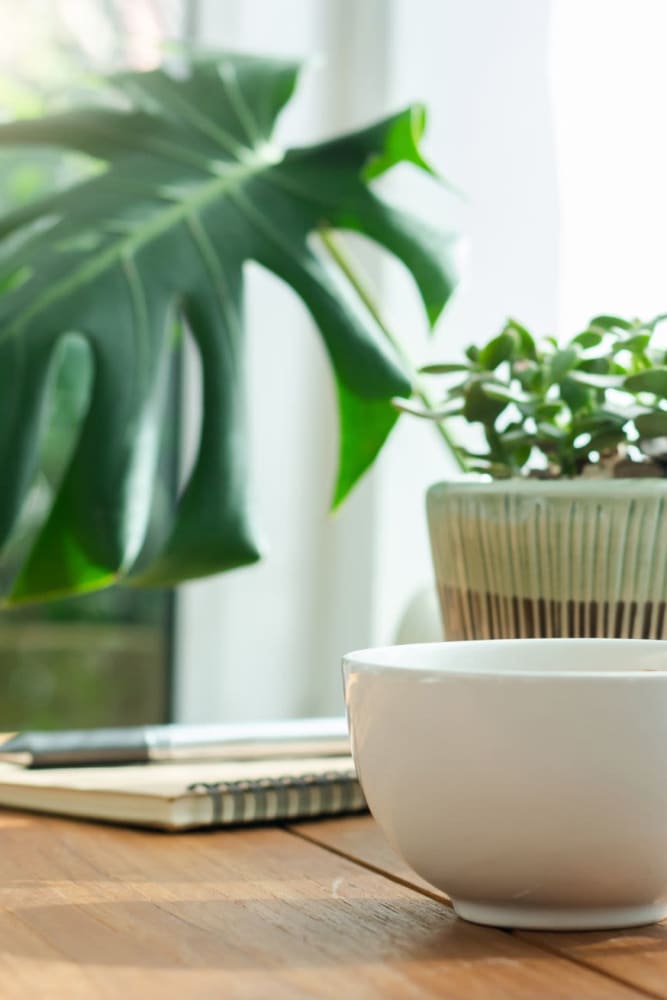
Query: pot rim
<point>577,487</point>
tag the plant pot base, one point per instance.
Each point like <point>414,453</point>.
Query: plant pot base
<point>546,918</point>
<point>474,615</point>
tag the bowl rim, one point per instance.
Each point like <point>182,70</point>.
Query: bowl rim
<point>374,659</point>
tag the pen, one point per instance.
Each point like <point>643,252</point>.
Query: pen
<point>141,744</point>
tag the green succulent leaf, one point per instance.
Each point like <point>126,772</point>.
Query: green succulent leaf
<point>653,380</point>
<point>479,406</point>
<point>588,339</point>
<point>598,381</point>
<point>574,395</point>
<point>497,351</point>
<point>518,438</point>
<point>653,424</point>
<point>527,346</point>
<point>550,431</point>
<point>610,323</point>
<point>562,361</point>
<point>548,411</point>
<point>193,187</point>
<point>597,365</point>
<point>604,440</point>
<point>521,455</point>
<point>528,373</point>
<point>636,344</point>
<point>443,369</point>
<point>603,420</point>
<point>508,395</point>
<point>497,470</point>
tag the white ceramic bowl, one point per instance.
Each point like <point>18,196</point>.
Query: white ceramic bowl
<point>525,778</point>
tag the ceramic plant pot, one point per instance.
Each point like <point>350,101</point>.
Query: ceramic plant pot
<point>528,558</point>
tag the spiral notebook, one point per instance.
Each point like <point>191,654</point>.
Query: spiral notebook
<point>187,796</point>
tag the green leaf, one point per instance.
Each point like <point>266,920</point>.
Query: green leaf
<point>377,421</point>
<point>548,411</point>
<point>521,455</point>
<point>517,438</point>
<point>497,470</point>
<point>636,345</point>
<point>427,253</point>
<point>550,432</point>
<point>508,395</point>
<point>527,347</point>
<point>653,424</point>
<point>653,380</point>
<point>596,381</point>
<point>602,441</point>
<point>497,351</point>
<point>194,187</point>
<point>622,412</point>
<point>574,395</point>
<point>442,369</point>
<point>588,339</point>
<point>598,366</point>
<point>527,372</point>
<point>479,406</point>
<point>609,323</point>
<point>562,361</point>
<point>602,420</point>
<point>400,144</point>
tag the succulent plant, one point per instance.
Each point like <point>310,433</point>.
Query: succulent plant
<point>594,405</point>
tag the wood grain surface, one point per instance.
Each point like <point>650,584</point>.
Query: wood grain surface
<point>90,911</point>
<point>636,957</point>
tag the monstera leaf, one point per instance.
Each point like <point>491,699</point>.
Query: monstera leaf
<point>192,187</point>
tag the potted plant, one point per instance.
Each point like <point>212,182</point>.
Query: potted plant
<point>188,183</point>
<point>560,528</point>
<point>99,279</point>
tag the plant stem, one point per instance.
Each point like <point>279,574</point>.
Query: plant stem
<point>339,256</point>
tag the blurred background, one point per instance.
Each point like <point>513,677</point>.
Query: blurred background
<point>546,117</point>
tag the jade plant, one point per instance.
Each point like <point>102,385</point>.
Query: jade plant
<point>595,405</point>
<point>99,280</point>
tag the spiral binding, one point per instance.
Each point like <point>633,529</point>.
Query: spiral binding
<point>270,799</point>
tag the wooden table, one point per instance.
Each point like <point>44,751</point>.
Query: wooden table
<point>314,910</point>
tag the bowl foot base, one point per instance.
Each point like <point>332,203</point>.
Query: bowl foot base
<point>547,918</point>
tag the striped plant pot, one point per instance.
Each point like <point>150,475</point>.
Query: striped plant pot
<point>525,558</point>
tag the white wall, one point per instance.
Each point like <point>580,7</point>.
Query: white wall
<point>609,84</point>
<point>481,67</point>
<point>267,640</point>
